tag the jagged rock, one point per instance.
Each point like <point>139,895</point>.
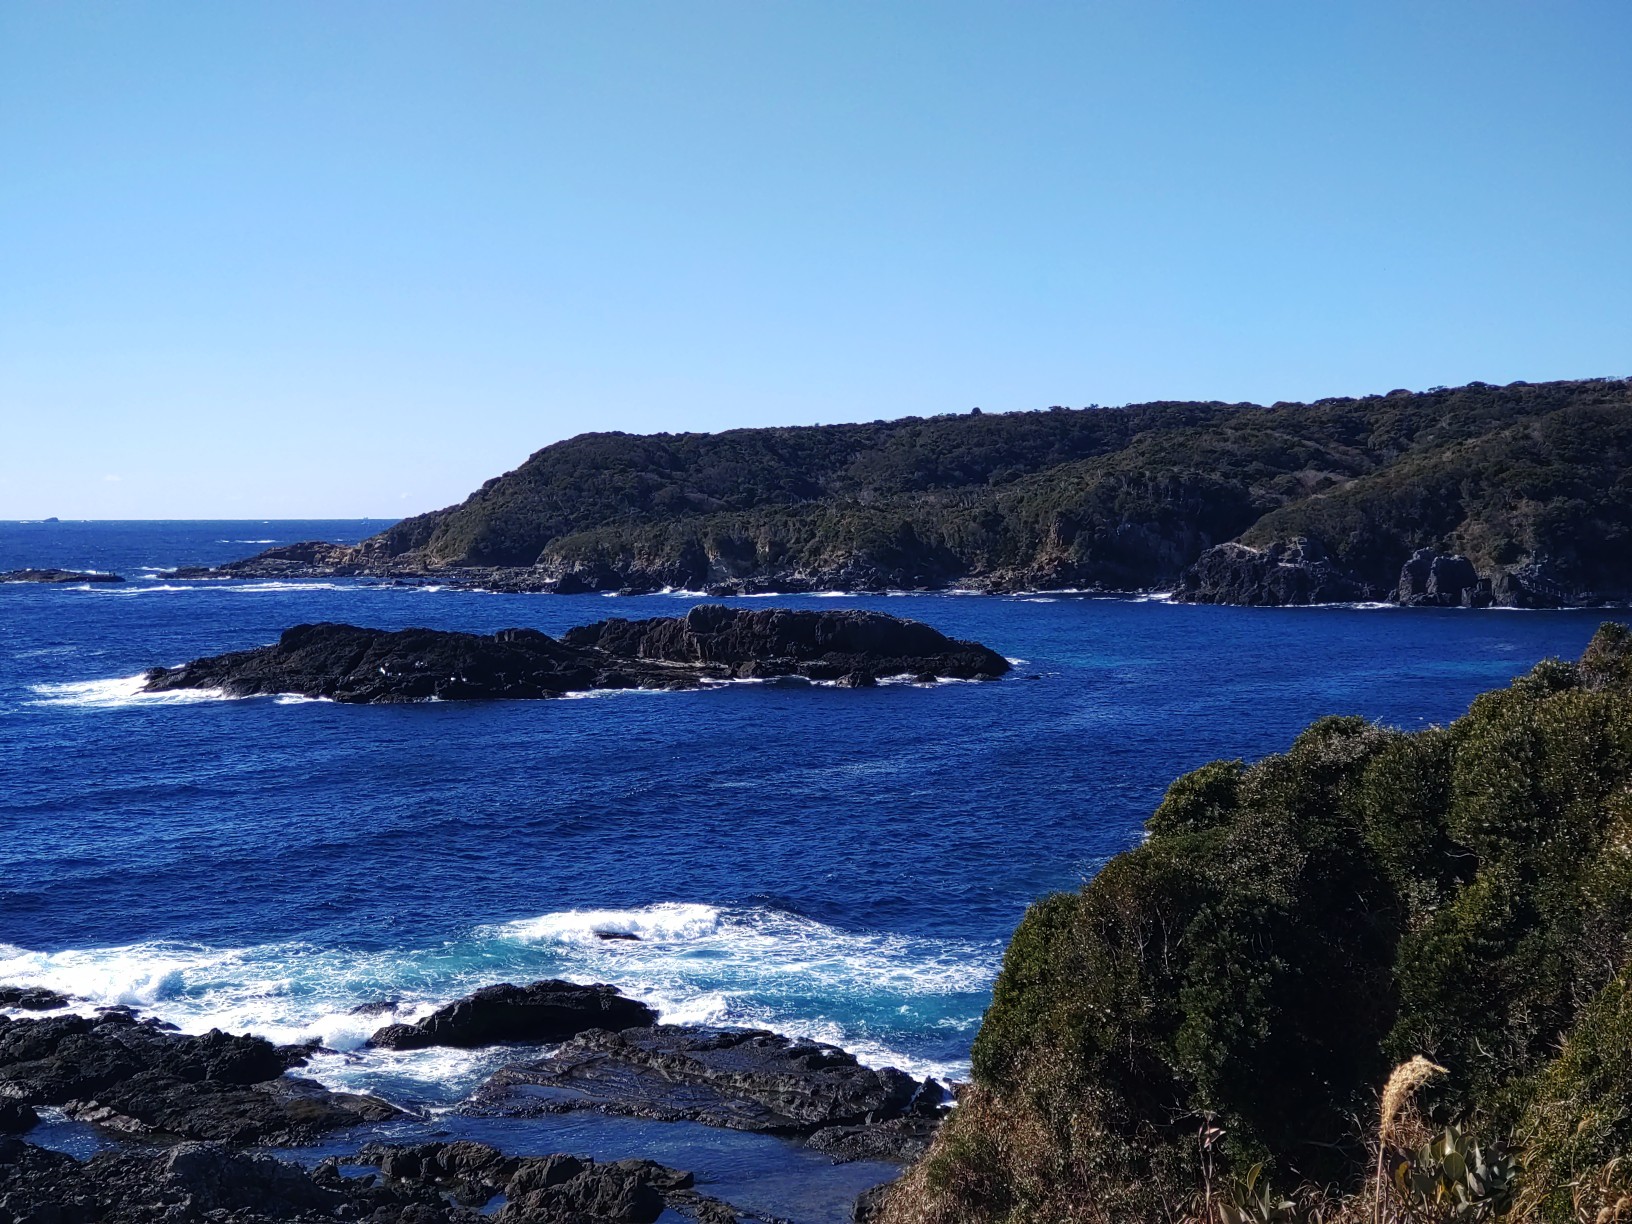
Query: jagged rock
<point>556,1189</point>
<point>1294,572</point>
<point>870,1205</point>
<point>285,560</point>
<point>742,1079</point>
<point>56,575</point>
<point>816,645</point>
<point>32,998</point>
<point>899,1140</point>
<point>1441,580</point>
<point>16,1117</point>
<point>541,1013</point>
<point>202,1183</point>
<point>141,1079</point>
<point>352,664</point>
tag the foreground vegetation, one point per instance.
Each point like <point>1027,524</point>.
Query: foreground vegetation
<point>1446,913</point>
<point>1512,477</point>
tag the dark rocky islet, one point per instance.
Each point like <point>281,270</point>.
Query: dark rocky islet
<point>541,1013</point>
<point>57,575</point>
<point>710,643</point>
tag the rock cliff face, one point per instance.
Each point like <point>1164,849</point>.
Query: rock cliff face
<point>351,664</point>
<point>1521,480</point>
<point>1296,572</point>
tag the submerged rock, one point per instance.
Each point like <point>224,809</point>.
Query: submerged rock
<point>541,1013</point>
<point>352,664</point>
<point>56,575</point>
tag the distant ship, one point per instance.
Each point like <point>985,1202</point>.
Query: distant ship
<point>52,519</point>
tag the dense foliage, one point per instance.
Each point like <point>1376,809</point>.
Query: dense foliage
<point>1115,498</point>
<point>1294,928</point>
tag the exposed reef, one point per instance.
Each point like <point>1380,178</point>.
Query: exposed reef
<point>430,1183</point>
<point>195,1103</point>
<point>57,575</point>
<point>141,1079</point>
<point>710,643</point>
<point>741,1079</point>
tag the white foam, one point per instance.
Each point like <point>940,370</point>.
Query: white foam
<point>117,693</point>
<point>251,588</point>
<point>698,964</point>
<point>665,922</point>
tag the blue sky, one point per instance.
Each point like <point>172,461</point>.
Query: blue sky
<point>348,258</point>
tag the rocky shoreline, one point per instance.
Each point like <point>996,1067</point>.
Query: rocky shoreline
<point>347,663</point>
<point>192,1116</point>
<point>1295,572</point>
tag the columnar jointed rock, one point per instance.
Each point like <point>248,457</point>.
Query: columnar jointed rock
<point>352,664</point>
<point>542,1013</point>
<point>141,1079</point>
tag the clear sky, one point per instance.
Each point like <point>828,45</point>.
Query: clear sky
<point>352,258</point>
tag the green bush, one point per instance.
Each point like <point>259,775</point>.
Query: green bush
<point>1294,928</point>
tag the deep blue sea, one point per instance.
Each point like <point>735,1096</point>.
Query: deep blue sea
<point>844,864</point>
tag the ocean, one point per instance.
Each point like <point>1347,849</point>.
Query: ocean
<point>841,864</point>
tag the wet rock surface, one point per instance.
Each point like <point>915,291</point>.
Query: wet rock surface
<point>541,1013</point>
<point>190,1117</point>
<point>32,998</point>
<point>433,1183</point>
<point>56,575</point>
<point>139,1079</point>
<point>351,664</point>
<point>748,1080</point>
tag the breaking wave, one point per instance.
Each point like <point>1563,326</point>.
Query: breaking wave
<point>873,993</point>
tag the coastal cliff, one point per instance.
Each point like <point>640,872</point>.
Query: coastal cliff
<point>1232,995</point>
<point>1528,484</point>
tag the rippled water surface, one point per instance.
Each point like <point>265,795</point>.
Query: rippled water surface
<point>841,863</point>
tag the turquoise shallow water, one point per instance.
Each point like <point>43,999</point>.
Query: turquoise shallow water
<point>846,864</point>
